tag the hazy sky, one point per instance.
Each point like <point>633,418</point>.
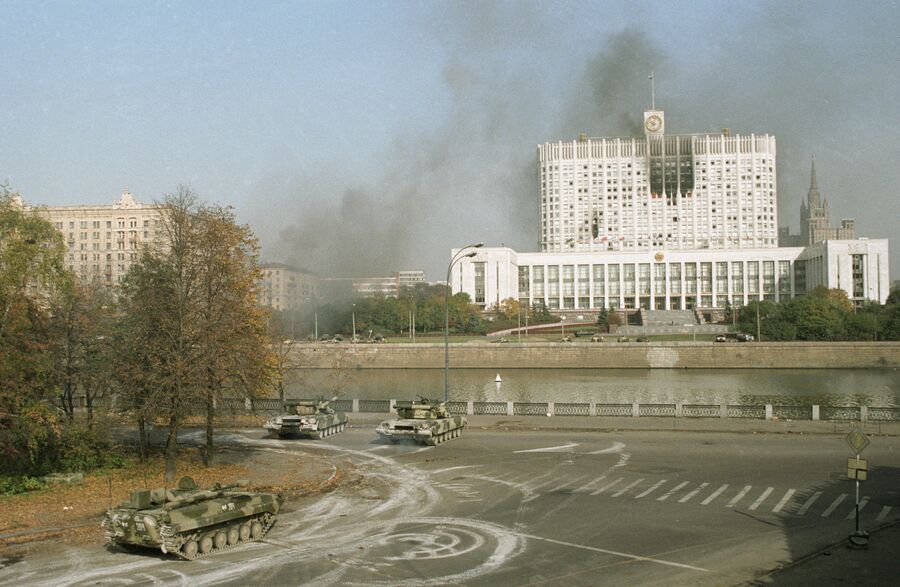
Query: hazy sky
<point>365,137</point>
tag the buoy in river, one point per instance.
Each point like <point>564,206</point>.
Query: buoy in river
<point>497,378</point>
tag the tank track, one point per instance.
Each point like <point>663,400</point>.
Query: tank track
<point>449,435</point>
<point>173,542</point>
<point>326,432</point>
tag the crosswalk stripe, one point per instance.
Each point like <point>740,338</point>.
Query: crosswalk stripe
<point>808,503</point>
<point>608,486</point>
<point>589,483</point>
<point>885,510</point>
<point>567,483</point>
<point>651,490</point>
<point>542,485</point>
<point>626,488</point>
<point>834,504</point>
<point>714,494</point>
<point>671,491</point>
<point>544,480</point>
<point>692,493</point>
<point>784,500</point>
<point>862,504</point>
<point>739,496</point>
<point>761,498</point>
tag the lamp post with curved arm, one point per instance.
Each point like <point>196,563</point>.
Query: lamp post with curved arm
<point>453,261</point>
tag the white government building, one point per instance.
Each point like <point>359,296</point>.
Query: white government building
<point>665,223</point>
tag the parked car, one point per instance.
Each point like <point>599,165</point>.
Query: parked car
<point>721,338</point>
<point>743,337</point>
<point>623,339</point>
<point>642,339</point>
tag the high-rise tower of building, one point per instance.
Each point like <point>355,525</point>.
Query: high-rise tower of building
<point>815,217</point>
<point>658,191</point>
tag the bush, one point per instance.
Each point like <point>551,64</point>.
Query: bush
<point>15,484</point>
<point>82,449</point>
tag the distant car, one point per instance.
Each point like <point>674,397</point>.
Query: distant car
<point>596,339</point>
<point>642,339</point>
<point>721,338</point>
<point>742,337</point>
<point>623,339</point>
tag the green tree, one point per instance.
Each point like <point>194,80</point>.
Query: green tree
<point>603,320</point>
<point>816,317</point>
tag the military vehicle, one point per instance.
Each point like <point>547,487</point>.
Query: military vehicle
<point>313,418</point>
<point>424,421</point>
<point>189,522</point>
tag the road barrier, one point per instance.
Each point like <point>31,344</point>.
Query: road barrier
<point>633,410</point>
<point>813,412</point>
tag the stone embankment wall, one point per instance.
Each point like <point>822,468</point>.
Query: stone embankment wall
<point>671,355</point>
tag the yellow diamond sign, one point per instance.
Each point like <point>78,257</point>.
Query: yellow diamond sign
<point>857,440</point>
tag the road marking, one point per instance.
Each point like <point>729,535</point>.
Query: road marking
<point>608,486</point>
<point>834,504</point>
<point>616,447</point>
<point>885,510</point>
<point>714,494</point>
<point>862,504</point>
<point>542,485</point>
<point>739,496</point>
<point>566,484</point>
<point>538,478</point>
<point>651,490</point>
<point>784,500</point>
<point>589,483</point>
<point>549,448</point>
<point>448,469</point>
<point>692,493</point>
<point>626,488</point>
<point>809,502</point>
<point>761,498</point>
<point>671,491</point>
<point>615,553</point>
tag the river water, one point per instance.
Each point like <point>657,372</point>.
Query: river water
<point>826,387</point>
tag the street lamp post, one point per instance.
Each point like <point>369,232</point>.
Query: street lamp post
<point>353,318</point>
<point>453,261</point>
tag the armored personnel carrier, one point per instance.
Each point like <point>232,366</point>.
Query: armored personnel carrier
<point>189,522</point>
<point>424,421</point>
<point>313,418</point>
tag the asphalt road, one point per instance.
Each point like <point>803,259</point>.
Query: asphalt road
<point>531,508</point>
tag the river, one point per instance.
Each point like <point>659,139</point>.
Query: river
<point>826,387</point>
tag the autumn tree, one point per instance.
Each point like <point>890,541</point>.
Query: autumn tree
<point>194,329</point>
<point>31,268</point>
<point>80,327</point>
<point>161,297</point>
<point>235,351</point>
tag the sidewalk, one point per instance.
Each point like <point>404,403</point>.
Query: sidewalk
<point>879,564</point>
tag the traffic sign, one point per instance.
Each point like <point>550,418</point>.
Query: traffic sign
<point>857,469</point>
<point>857,440</point>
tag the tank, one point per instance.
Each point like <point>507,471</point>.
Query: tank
<point>313,418</point>
<point>189,522</point>
<point>423,421</point>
